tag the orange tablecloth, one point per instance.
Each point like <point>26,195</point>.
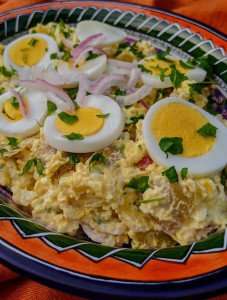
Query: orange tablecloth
<point>212,12</point>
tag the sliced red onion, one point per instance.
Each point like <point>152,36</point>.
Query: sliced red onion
<point>130,39</point>
<point>121,64</point>
<point>83,89</point>
<point>47,87</point>
<point>22,105</point>
<point>84,44</point>
<point>136,96</point>
<point>144,162</point>
<point>218,96</point>
<point>102,85</point>
<point>134,77</point>
<point>144,104</point>
<point>4,192</point>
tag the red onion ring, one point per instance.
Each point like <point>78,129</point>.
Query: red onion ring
<point>103,84</point>
<point>136,96</point>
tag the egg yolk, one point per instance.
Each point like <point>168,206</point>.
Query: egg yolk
<point>28,51</point>
<point>154,65</point>
<point>180,120</point>
<point>12,111</point>
<point>88,122</point>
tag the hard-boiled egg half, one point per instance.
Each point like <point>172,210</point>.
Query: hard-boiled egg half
<point>89,128</point>
<point>202,136</point>
<point>30,50</point>
<point>157,71</point>
<point>13,122</point>
<point>111,35</point>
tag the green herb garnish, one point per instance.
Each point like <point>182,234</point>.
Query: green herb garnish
<point>2,151</point>
<point>184,173</point>
<point>143,68</point>
<point>140,184</point>
<point>134,49</point>
<point>162,74</point>
<point>33,42</point>
<point>74,158</point>
<point>204,63</point>
<point>103,116</point>
<point>35,162</point>
<point>51,107</point>
<point>135,119</point>
<point>171,145</point>
<point>2,90</point>
<point>74,136</point>
<point>98,158</point>
<point>92,55</point>
<point>13,142</point>
<point>121,48</point>
<point>67,118</point>
<point>187,64</point>
<point>120,92</point>
<point>72,92</point>
<point>66,55</point>
<point>171,174</point>
<point>14,102</point>
<point>7,73</point>
<point>207,130</point>
<point>176,77</point>
<point>162,55</point>
<point>54,56</point>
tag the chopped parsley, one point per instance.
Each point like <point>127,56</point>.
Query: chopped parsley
<point>33,42</point>
<point>135,119</point>
<point>74,158</point>
<point>120,92</point>
<point>2,90</point>
<point>176,77</point>
<point>184,173</point>
<point>162,55</point>
<point>66,55</point>
<point>7,73</point>
<point>198,86</point>
<point>162,74</point>
<point>67,118</point>
<point>13,142</point>
<point>91,55</point>
<point>2,151</point>
<point>51,107</point>
<point>171,174</point>
<point>207,130</point>
<point>14,102</point>
<point>143,68</point>
<point>204,63</point>
<point>121,47</point>
<point>54,55</point>
<point>187,64</point>
<point>72,92</point>
<point>74,136</point>
<point>171,145</point>
<point>136,52</point>
<point>103,116</point>
<point>65,31</point>
<point>35,162</point>
<point>98,158</point>
<point>140,184</point>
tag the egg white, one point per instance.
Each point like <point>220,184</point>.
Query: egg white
<point>211,162</point>
<point>197,74</point>
<point>94,68</point>
<point>111,130</point>
<point>29,124</point>
<point>43,63</point>
<point>111,34</point>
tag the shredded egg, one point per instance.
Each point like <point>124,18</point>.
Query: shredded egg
<point>31,50</point>
<point>12,121</point>
<point>97,124</point>
<point>158,71</point>
<point>174,117</point>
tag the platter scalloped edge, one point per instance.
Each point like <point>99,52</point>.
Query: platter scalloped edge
<point>84,267</point>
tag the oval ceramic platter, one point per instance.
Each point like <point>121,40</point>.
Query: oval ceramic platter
<point>86,268</point>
